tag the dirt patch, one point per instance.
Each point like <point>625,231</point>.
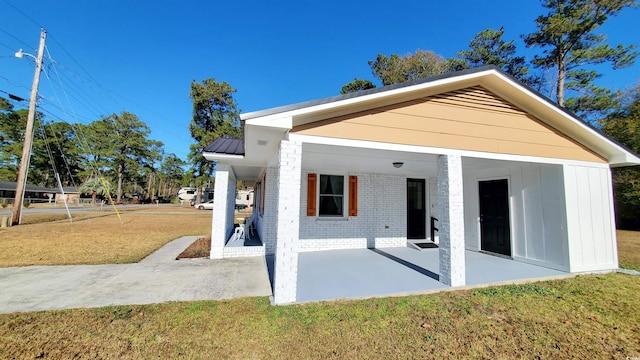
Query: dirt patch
<point>198,249</point>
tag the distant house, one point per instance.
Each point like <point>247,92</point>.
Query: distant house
<point>503,170</point>
<point>244,198</point>
<point>71,193</point>
<point>8,191</point>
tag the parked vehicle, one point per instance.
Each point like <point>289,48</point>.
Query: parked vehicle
<point>187,193</point>
<point>205,205</point>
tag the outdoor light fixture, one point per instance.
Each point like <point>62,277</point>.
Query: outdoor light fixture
<point>398,164</point>
<point>20,54</point>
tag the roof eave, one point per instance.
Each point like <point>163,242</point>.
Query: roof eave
<point>211,156</point>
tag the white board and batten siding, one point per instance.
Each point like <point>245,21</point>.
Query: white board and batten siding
<point>590,220</point>
<point>561,215</point>
<point>537,213</point>
<point>540,229</point>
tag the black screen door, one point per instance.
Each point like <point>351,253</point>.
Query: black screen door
<point>416,211</point>
<point>495,235</point>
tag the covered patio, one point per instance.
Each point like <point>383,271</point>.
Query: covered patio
<point>363,273</point>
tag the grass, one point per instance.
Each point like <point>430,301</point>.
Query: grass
<point>629,249</point>
<point>98,237</point>
<point>594,317</point>
<point>198,249</point>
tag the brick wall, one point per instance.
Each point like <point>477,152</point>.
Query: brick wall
<point>381,220</point>
<point>268,235</point>
<point>222,221</point>
<point>287,225</point>
<point>451,216</point>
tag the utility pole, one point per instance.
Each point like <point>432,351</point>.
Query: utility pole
<point>28,136</point>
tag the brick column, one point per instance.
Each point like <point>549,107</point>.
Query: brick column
<point>288,222</point>
<point>221,222</point>
<point>451,220</point>
<point>270,211</point>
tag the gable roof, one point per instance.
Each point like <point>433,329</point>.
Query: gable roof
<point>489,77</point>
<point>337,98</point>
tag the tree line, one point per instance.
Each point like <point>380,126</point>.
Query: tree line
<point>564,69</point>
<point>116,148</point>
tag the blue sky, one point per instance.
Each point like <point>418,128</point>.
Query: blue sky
<point>141,56</point>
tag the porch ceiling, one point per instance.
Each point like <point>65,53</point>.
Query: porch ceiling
<point>340,158</point>
<point>352,159</point>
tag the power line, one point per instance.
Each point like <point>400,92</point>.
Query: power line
<point>110,94</point>
<point>76,91</point>
<point>14,84</point>
<point>13,97</point>
<point>7,46</point>
<point>15,38</point>
<point>23,14</point>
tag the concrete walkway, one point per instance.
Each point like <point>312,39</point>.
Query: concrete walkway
<point>157,278</point>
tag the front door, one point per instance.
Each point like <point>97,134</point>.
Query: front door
<point>416,210</point>
<point>495,235</point>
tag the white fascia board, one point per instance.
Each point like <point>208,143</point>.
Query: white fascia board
<point>438,151</point>
<point>624,159</point>
<point>215,156</point>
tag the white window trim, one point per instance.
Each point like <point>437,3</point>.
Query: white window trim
<point>345,195</point>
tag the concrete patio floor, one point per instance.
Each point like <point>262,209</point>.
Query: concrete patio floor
<point>362,273</point>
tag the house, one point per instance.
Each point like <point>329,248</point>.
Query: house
<point>502,169</point>
<point>31,192</point>
<point>71,195</point>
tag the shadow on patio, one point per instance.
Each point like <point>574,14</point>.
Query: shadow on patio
<point>361,273</point>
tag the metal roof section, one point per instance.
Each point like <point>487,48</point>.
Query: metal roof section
<point>226,146</point>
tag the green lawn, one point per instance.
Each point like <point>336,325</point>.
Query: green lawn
<point>588,317</point>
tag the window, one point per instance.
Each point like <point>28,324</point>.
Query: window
<point>331,195</point>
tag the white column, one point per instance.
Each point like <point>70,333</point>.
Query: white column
<point>451,220</point>
<point>270,211</point>
<point>288,222</point>
<point>220,221</point>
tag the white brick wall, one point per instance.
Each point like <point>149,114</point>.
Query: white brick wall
<point>269,219</point>
<point>222,216</point>
<point>243,251</point>
<point>231,203</point>
<point>451,216</point>
<point>287,225</point>
<point>381,220</point>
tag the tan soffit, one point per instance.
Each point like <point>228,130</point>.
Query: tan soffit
<point>469,119</point>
